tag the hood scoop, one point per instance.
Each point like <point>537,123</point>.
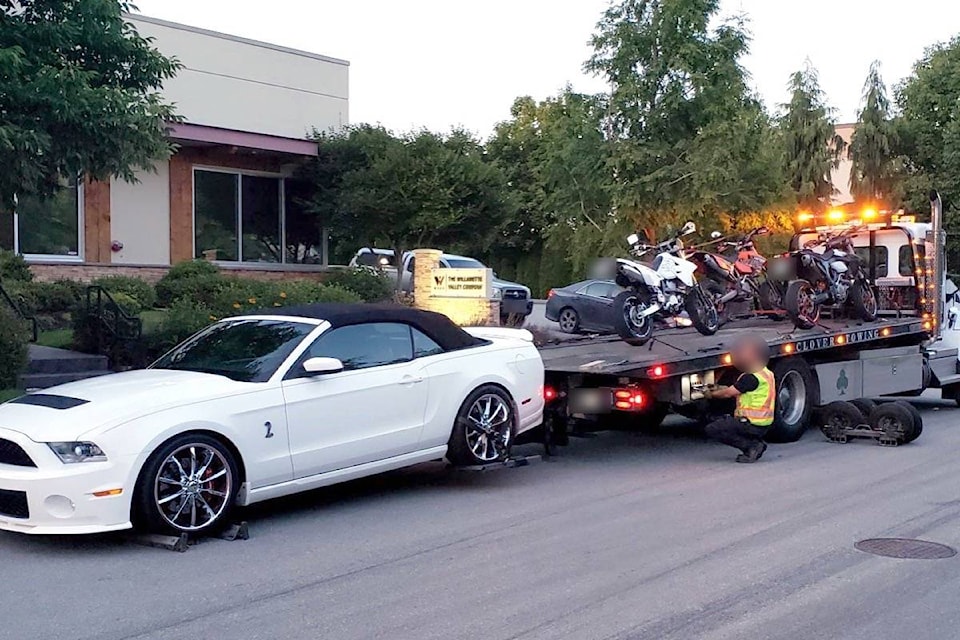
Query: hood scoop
<point>49,401</point>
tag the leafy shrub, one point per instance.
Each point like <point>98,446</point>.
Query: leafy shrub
<point>370,285</point>
<point>202,289</point>
<point>13,346</point>
<point>139,290</point>
<point>246,296</point>
<point>128,304</point>
<point>192,269</point>
<point>181,321</point>
<point>188,279</point>
<point>45,297</point>
<point>14,267</point>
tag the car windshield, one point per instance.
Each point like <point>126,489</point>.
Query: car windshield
<point>464,263</point>
<point>372,259</point>
<point>243,350</point>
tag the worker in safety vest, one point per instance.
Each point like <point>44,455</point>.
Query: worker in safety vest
<point>755,395</point>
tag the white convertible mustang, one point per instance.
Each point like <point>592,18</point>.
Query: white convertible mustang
<point>261,406</point>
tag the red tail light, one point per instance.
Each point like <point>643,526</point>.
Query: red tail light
<point>629,400</point>
<point>657,372</point>
<point>551,293</point>
<point>549,394</point>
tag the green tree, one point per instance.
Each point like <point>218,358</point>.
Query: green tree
<point>812,147</point>
<point>79,94</point>
<point>688,139</point>
<point>929,135</point>
<point>420,189</point>
<point>874,173</point>
<point>553,154</point>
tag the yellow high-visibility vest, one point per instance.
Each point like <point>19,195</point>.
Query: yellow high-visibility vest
<point>758,405</point>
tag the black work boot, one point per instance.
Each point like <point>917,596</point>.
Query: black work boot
<point>753,454</point>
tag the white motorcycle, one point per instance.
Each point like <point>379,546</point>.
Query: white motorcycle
<point>664,289</point>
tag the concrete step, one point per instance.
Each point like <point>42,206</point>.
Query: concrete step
<point>47,360</point>
<point>46,380</point>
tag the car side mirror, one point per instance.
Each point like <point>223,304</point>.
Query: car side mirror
<point>321,366</point>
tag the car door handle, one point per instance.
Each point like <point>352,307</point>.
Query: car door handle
<point>411,380</point>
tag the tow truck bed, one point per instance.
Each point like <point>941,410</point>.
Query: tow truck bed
<point>681,351</point>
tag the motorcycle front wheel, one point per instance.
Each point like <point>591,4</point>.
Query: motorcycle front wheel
<point>632,328</point>
<point>801,304</point>
<point>702,311</point>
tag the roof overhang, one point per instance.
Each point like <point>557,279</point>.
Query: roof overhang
<point>200,135</point>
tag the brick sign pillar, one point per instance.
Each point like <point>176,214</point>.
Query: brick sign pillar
<point>463,311</point>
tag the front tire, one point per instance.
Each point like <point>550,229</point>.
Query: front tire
<point>864,301</point>
<point>801,305</point>
<point>702,312</point>
<point>795,397</point>
<point>484,429</point>
<point>188,485</point>
<point>770,299</point>
<point>631,331</point>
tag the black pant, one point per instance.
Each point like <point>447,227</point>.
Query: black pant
<point>736,432</point>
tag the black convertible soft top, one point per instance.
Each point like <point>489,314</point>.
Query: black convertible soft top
<point>435,325</point>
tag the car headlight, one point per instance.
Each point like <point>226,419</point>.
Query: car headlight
<point>73,452</point>
<point>497,294</point>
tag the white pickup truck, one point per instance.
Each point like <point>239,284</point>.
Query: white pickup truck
<point>515,301</point>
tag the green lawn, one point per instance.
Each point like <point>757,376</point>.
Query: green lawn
<point>59,339</point>
<point>9,394</point>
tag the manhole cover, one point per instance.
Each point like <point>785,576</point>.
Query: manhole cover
<point>906,548</point>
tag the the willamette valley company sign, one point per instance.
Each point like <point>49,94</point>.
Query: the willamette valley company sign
<point>463,283</point>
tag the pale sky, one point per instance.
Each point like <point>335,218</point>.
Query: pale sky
<point>441,63</point>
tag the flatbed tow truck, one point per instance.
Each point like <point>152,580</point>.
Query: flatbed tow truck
<point>600,383</point>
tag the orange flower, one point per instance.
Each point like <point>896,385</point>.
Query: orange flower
<point>252,301</point>
<point>283,295</point>
<point>236,305</point>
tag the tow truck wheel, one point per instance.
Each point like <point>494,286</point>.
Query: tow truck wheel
<point>894,421</point>
<point>865,406</point>
<point>795,397</point>
<point>837,417</point>
<point>917,418</point>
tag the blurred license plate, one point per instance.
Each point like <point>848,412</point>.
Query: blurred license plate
<point>591,401</point>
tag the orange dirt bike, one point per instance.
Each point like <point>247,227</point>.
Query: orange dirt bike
<point>740,278</point>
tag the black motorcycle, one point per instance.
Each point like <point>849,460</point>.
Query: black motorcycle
<point>834,277</point>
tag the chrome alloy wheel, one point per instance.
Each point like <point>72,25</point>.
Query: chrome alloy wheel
<point>489,427</point>
<point>192,487</point>
<point>791,397</point>
<point>568,321</point>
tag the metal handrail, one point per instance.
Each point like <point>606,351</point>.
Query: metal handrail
<point>110,315</point>
<point>20,313</point>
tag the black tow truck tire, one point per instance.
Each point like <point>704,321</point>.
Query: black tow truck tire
<point>865,406</point>
<point>796,395</point>
<point>895,421</point>
<point>917,418</point>
<point>837,417</point>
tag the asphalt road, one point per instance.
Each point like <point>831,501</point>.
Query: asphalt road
<point>619,537</point>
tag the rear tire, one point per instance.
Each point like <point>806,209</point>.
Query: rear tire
<point>484,429</point>
<point>569,320</point>
<point>636,334</point>
<point>702,312</point>
<point>796,394</point>
<point>800,305</point>
<point>770,299</point>
<point>917,418</point>
<point>864,301</point>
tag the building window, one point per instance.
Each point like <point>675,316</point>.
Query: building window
<point>250,218</point>
<point>45,227</point>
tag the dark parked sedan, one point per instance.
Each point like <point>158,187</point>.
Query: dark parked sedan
<point>583,306</point>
